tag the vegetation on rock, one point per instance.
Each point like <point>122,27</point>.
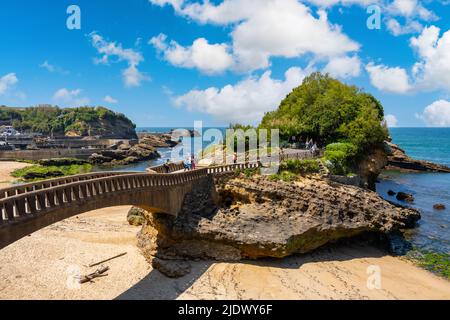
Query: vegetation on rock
<point>436,262</point>
<point>339,157</point>
<point>300,166</point>
<point>38,172</point>
<point>329,111</point>
<point>61,162</point>
<point>82,121</point>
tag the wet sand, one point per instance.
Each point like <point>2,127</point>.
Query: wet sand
<point>44,266</point>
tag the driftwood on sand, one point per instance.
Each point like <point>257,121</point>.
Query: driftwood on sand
<point>106,260</point>
<point>97,274</point>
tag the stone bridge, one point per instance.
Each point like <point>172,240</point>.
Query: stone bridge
<point>30,207</point>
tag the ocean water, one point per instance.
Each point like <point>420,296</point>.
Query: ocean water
<point>432,144</point>
<point>187,146</point>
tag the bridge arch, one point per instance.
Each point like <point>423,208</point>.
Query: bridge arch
<point>25,213</point>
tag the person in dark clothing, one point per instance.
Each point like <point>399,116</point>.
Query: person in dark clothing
<point>167,166</point>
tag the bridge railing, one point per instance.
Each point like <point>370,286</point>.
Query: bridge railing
<point>231,167</point>
<point>173,167</point>
<point>24,201</point>
<point>23,188</point>
<point>301,155</point>
<point>17,207</point>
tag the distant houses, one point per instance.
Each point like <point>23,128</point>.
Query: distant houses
<point>8,131</point>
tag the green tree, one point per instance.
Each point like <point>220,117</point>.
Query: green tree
<point>327,110</point>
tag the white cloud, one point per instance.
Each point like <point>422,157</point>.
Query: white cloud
<point>132,77</point>
<point>228,11</point>
<point>344,67</point>
<point>7,82</point>
<point>402,8</point>
<point>244,102</point>
<point>330,3</point>
<point>208,58</point>
<point>433,69</point>
<point>437,114</point>
<point>110,99</point>
<point>397,29</point>
<point>269,28</point>
<point>52,68</point>
<point>394,80</point>
<point>411,11</point>
<point>391,120</point>
<point>70,98</point>
<point>410,8</point>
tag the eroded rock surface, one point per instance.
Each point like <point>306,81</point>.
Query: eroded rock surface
<point>256,217</point>
<point>125,153</point>
<point>398,160</point>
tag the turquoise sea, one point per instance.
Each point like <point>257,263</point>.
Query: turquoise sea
<point>432,144</point>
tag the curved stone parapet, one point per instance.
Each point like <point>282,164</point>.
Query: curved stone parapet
<point>27,208</point>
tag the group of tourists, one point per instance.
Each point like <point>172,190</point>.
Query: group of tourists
<point>189,163</point>
<point>310,144</point>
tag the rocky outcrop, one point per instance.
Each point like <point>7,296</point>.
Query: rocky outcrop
<point>158,140</point>
<point>403,196</point>
<point>136,216</point>
<point>370,167</point>
<point>185,133</point>
<point>398,160</point>
<point>241,217</point>
<point>125,153</point>
<point>439,207</point>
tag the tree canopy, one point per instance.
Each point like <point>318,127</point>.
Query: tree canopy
<point>47,119</point>
<point>328,111</point>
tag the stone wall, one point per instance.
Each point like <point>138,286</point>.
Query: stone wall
<point>46,154</point>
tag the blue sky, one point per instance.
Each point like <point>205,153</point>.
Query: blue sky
<point>171,62</point>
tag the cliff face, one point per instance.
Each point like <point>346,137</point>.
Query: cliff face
<point>238,217</point>
<point>103,128</point>
<point>370,167</point>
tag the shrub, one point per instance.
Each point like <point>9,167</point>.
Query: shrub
<point>300,166</point>
<point>61,162</point>
<point>339,157</point>
<point>285,176</point>
<point>247,172</point>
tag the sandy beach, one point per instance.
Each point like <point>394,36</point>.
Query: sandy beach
<point>45,264</point>
<point>5,172</point>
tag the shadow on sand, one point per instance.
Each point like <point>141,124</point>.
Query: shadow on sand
<point>156,286</point>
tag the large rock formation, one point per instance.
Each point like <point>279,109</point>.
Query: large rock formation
<point>125,153</point>
<point>158,140</point>
<point>370,167</point>
<point>398,160</point>
<point>237,217</point>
